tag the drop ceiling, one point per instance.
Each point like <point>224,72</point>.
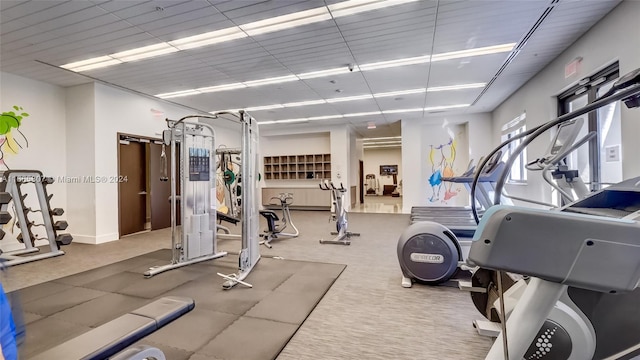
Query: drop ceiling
<point>38,37</point>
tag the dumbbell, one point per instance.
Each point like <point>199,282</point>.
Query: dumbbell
<point>57,211</point>
<point>5,197</point>
<point>60,225</point>
<point>64,239</point>
<point>5,217</point>
<point>21,239</point>
<point>2,233</point>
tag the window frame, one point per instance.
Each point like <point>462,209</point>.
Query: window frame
<point>590,86</point>
<point>514,127</point>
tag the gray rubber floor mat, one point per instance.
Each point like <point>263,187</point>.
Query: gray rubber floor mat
<point>40,291</point>
<point>182,333</point>
<point>241,323</point>
<point>250,339</point>
<point>115,282</point>
<point>60,301</point>
<point>208,294</point>
<point>89,276</point>
<point>46,333</point>
<point>159,284</point>
<point>100,310</point>
<point>292,308</point>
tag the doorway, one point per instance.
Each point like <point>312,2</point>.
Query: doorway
<point>142,195</point>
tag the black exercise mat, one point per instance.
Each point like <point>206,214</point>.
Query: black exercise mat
<point>241,323</point>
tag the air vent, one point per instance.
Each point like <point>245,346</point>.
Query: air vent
<point>519,46</point>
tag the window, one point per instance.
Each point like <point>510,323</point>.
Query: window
<point>518,173</point>
<point>595,169</point>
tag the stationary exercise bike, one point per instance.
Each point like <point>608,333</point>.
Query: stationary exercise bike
<point>339,215</point>
<point>275,230</point>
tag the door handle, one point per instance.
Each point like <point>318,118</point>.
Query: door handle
<point>142,193</point>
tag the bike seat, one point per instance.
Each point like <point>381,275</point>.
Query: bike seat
<point>268,214</point>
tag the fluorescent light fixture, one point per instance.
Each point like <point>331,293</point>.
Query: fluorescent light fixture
<point>144,52</point>
<point>305,103</point>
<point>92,61</point>
<point>456,87</point>
<point>400,92</point>
<point>97,65</point>
<point>350,98</point>
<point>394,63</point>
<point>381,146</point>
<point>224,87</point>
<point>383,143</point>
<point>445,107</point>
<point>265,107</point>
<point>351,7</point>
<point>325,117</point>
<point>287,121</point>
<point>487,50</point>
<point>178,94</point>
<point>323,73</point>
<point>208,38</point>
<point>382,138</point>
<point>286,21</point>
<point>273,80</point>
<point>371,126</point>
<point>363,114</point>
<point>227,110</point>
<point>396,111</point>
<point>337,100</point>
<point>269,122</point>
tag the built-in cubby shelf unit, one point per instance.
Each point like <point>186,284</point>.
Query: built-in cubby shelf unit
<point>297,167</point>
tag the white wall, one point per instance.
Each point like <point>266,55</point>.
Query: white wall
<point>482,141</point>
<point>354,166</point>
<point>417,135</point>
<point>341,160</point>
<point>44,129</point>
<point>81,152</point>
<point>121,111</point>
<point>373,158</point>
<point>607,41</point>
<point>293,144</point>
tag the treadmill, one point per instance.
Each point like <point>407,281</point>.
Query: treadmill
<point>456,218</point>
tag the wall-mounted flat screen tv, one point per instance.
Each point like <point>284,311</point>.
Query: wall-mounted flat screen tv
<point>388,169</point>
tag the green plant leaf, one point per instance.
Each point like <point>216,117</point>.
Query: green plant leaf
<point>24,114</point>
<point>7,121</point>
<point>16,107</point>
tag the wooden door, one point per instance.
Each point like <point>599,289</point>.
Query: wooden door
<point>132,192</point>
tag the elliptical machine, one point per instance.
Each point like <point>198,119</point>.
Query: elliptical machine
<point>275,230</point>
<point>339,215</point>
<point>581,300</point>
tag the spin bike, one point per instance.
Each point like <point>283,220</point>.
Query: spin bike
<point>339,215</point>
<point>275,230</point>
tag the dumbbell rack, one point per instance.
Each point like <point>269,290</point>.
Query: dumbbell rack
<point>10,191</point>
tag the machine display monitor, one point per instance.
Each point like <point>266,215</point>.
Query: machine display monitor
<point>565,136</point>
<point>388,169</point>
